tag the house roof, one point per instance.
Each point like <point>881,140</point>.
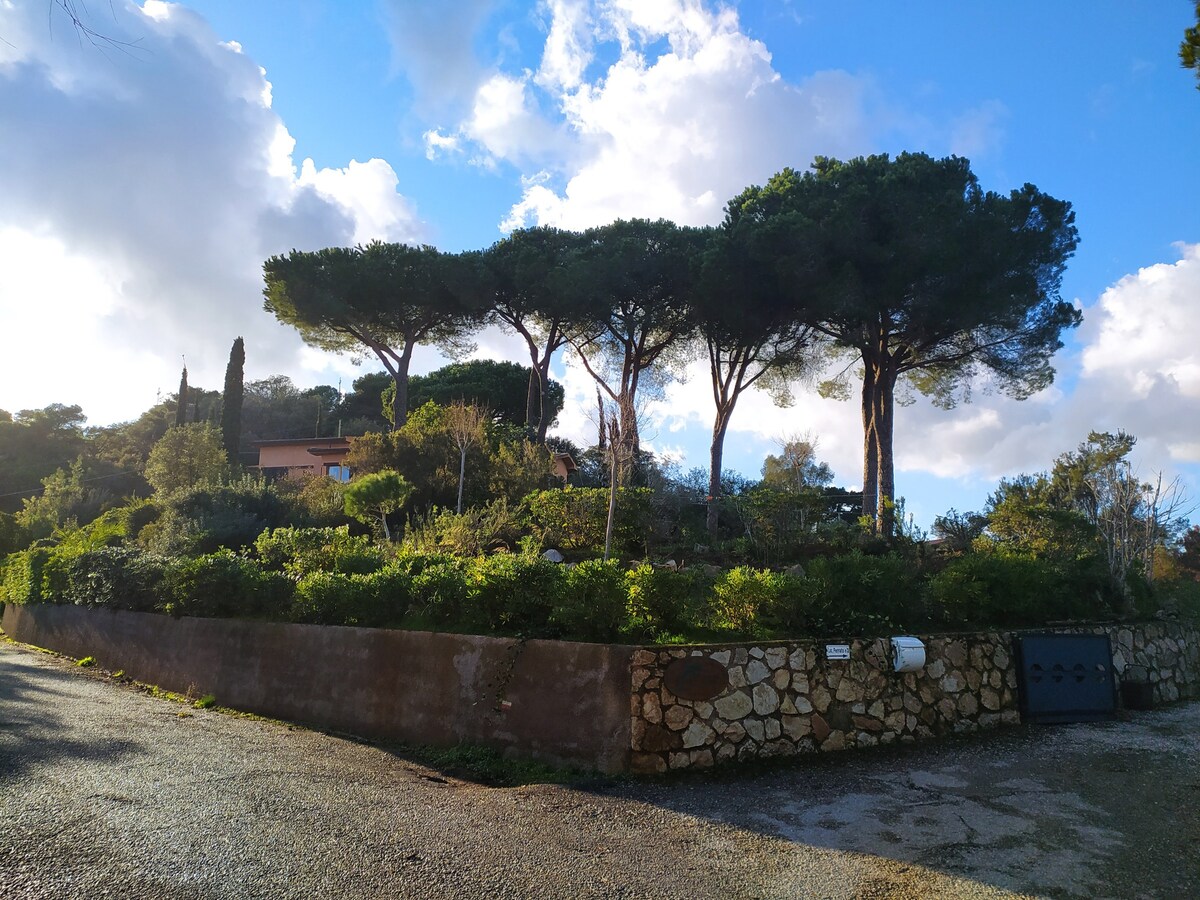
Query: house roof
<point>311,442</point>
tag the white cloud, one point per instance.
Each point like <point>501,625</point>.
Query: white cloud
<point>671,135</point>
<point>568,50</point>
<point>140,201</point>
<point>979,133</point>
<point>434,47</point>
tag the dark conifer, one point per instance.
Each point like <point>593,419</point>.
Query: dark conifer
<point>231,405</point>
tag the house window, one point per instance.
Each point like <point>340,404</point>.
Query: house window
<point>337,472</point>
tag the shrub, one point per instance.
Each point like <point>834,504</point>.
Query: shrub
<point>301,551</point>
<point>742,596</point>
<point>989,589</point>
<point>13,536</point>
<point>861,594</point>
<point>515,593</point>
<point>369,600</point>
<point>439,586</point>
<point>574,519</point>
<point>24,577</point>
<point>660,601</point>
<point>471,533</point>
<point>592,605</point>
<point>204,518</point>
<point>224,584</point>
<point>115,577</point>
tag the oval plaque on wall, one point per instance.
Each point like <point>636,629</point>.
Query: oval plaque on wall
<point>695,678</point>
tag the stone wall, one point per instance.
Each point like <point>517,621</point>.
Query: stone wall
<point>781,699</point>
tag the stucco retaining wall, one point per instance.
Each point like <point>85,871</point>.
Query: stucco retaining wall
<point>567,703</point>
<point>782,699</point>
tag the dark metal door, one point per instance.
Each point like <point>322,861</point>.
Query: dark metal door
<point>1065,677</point>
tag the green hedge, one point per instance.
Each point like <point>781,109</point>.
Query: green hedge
<point>326,576</point>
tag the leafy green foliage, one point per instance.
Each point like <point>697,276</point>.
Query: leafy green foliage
<point>501,387</point>
<point>860,594</point>
<point>303,551</point>
<point>743,596</point>
<point>662,601</point>
<point>370,600</point>
<point>593,604</point>
<point>884,257</point>
<point>982,589</point>
<point>376,496</point>
<point>224,584</point>
<point>573,519</point>
<point>231,400</point>
<point>515,594</point>
<point>114,577</point>
<point>474,532</point>
<point>387,298</point>
<point>33,444</point>
<point>186,456</point>
<point>1189,48</point>
<point>207,516</point>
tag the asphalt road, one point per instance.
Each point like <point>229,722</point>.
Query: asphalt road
<point>106,792</point>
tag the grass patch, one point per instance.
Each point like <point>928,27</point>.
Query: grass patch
<point>86,662</point>
<point>489,766</point>
<point>205,702</point>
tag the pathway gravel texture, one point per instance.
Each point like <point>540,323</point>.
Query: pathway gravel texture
<point>107,792</point>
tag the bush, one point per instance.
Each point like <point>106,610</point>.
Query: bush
<point>205,518</point>
<point>660,601</point>
<point>861,594</point>
<point>372,600</point>
<point>742,597</point>
<point>574,519</point>
<point>592,605</point>
<point>985,589</point>
<point>439,586</point>
<point>224,584</point>
<point>471,533</point>
<point>115,577</point>
<point>24,577</point>
<point>302,551</point>
<point>516,594</point>
<point>13,536</point>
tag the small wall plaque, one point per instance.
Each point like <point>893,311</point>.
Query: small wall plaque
<point>837,651</point>
<point>695,678</point>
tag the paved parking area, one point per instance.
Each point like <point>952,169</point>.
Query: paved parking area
<point>106,792</point>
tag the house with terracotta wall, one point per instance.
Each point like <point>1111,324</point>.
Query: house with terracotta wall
<point>296,457</point>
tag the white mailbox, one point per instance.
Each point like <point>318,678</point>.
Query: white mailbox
<point>908,654</point>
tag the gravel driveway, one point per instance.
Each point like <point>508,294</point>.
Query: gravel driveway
<point>106,792</point>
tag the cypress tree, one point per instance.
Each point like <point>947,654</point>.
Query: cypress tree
<point>181,403</point>
<point>231,405</point>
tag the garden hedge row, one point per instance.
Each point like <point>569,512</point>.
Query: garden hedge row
<point>327,576</point>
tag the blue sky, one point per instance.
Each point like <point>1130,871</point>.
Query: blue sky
<point>144,188</point>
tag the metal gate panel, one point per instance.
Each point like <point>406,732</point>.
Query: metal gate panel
<point>1065,677</point>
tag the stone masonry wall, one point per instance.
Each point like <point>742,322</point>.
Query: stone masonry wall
<point>782,699</point>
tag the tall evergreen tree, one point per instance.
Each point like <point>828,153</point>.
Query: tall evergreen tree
<point>911,267</point>
<point>231,406</point>
<point>181,403</point>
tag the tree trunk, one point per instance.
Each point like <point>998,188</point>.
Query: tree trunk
<point>715,455</point>
<point>387,534</point>
<point>870,480</point>
<point>532,400</point>
<point>885,390</point>
<point>462,476</point>
<point>400,401</point>
<point>543,425</point>
<point>630,444</point>
<point>614,442</point>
